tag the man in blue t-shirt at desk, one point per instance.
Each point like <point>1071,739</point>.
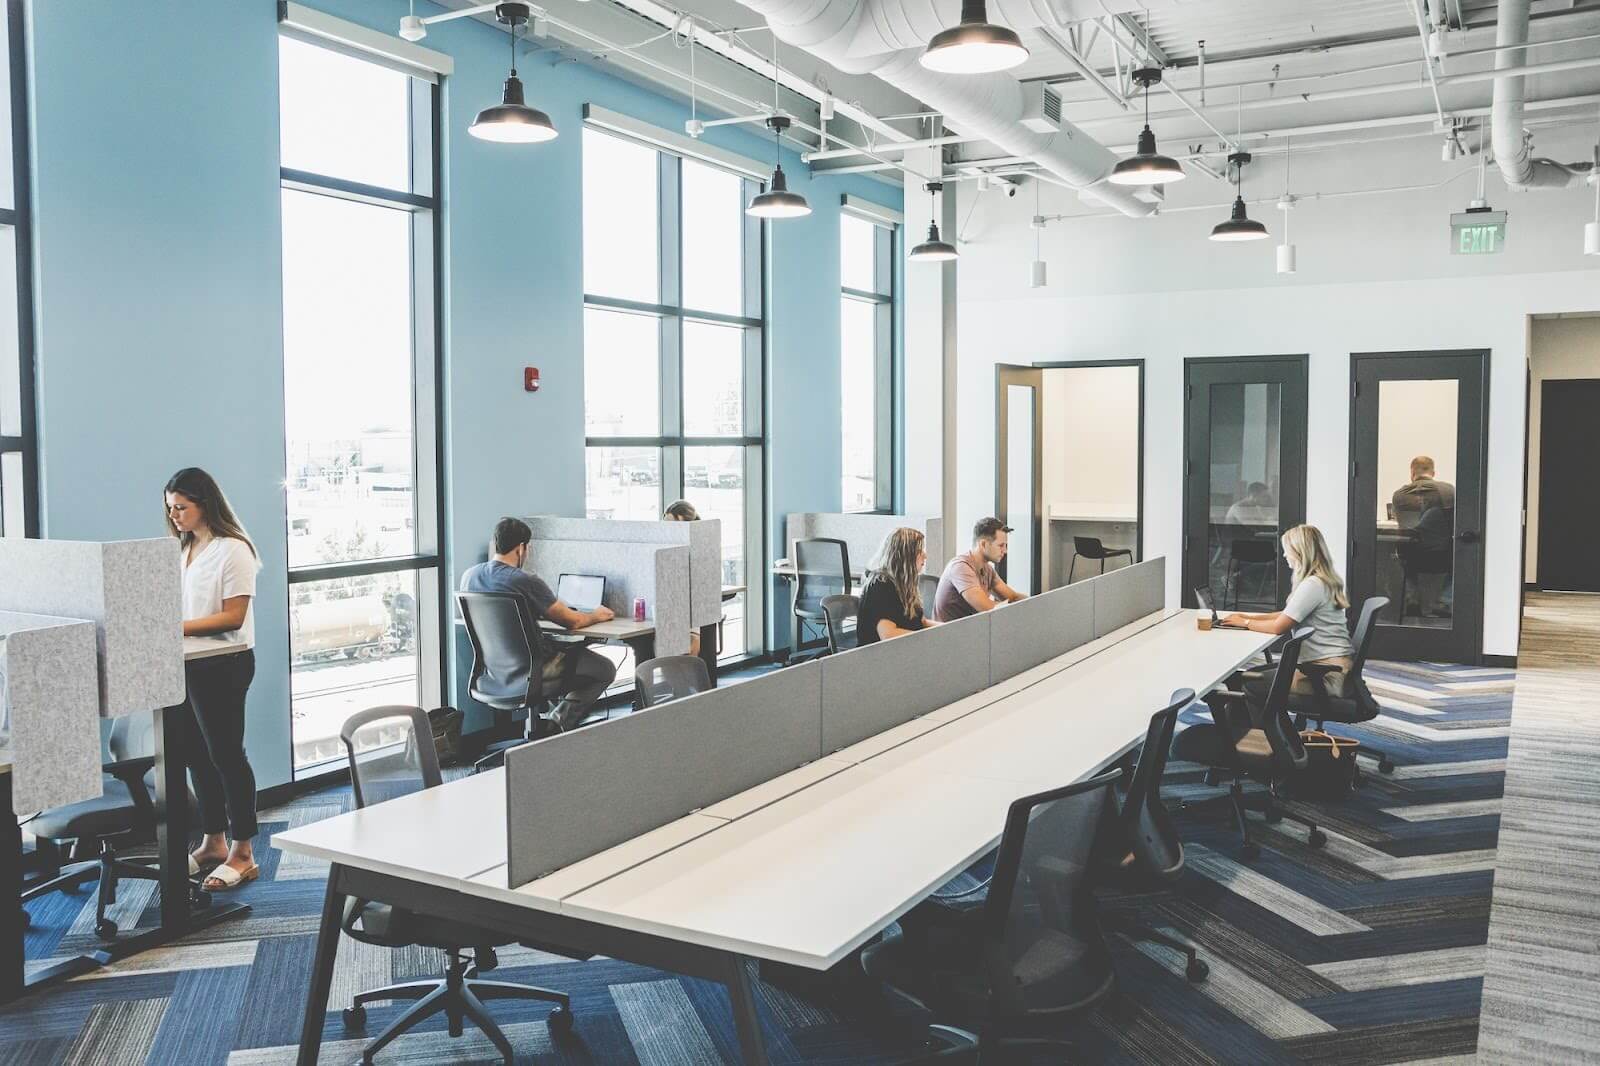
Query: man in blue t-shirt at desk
<point>503,572</point>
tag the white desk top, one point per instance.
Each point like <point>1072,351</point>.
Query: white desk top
<point>207,647</point>
<point>617,629</point>
<point>809,866</point>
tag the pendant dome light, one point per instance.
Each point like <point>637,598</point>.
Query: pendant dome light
<point>1146,166</point>
<point>975,45</point>
<point>934,250</point>
<point>777,201</point>
<point>1240,226</point>
<point>512,121</point>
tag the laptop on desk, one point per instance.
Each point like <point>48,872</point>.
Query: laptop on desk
<point>1203,597</point>
<point>581,592</point>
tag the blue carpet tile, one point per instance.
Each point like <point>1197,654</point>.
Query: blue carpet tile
<point>1366,951</point>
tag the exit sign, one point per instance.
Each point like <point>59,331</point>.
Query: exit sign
<point>1477,232</point>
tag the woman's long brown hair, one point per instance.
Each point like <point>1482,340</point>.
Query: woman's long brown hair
<point>897,562</point>
<point>202,488</point>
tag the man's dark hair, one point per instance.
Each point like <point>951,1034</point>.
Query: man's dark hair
<point>510,534</point>
<point>988,527</point>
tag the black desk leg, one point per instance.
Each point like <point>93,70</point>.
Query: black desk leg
<point>13,957</point>
<point>322,971</point>
<point>742,997</point>
<point>708,650</point>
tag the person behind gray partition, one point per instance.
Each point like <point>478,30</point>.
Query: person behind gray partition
<point>891,602</point>
<point>503,572</point>
<point>969,584</point>
<point>683,511</point>
<point>219,587</point>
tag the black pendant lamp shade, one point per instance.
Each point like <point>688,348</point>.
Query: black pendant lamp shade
<point>1146,166</point>
<point>975,45</point>
<point>934,250</point>
<point>1240,226</point>
<point>778,201</point>
<point>512,121</point>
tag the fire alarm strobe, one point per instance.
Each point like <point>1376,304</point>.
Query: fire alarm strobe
<point>530,378</point>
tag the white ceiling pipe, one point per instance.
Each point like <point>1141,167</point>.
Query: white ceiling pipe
<point>1513,152</point>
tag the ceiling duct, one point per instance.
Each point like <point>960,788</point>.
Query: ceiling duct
<point>885,38</point>
<point>1513,148</point>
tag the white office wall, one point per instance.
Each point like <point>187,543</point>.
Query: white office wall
<point>1376,275</point>
<point>1560,348</point>
<point>1415,418</point>
<point>1091,440</point>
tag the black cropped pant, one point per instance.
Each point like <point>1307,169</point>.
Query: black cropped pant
<point>213,718</point>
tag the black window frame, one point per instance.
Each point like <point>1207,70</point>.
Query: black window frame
<point>20,218</point>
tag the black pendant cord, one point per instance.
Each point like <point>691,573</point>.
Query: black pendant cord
<point>513,47</point>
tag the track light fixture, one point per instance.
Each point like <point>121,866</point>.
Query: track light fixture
<point>1239,226</point>
<point>975,45</point>
<point>934,250</point>
<point>1146,166</point>
<point>512,121</point>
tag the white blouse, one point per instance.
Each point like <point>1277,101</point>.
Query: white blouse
<point>224,568</point>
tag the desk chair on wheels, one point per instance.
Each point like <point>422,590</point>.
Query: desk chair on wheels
<point>1091,548</point>
<point>838,610</point>
<point>821,569</point>
<point>392,754</point>
<point>1033,956</point>
<point>1254,552</point>
<point>670,677</point>
<point>509,652</point>
<point>1354,704</point>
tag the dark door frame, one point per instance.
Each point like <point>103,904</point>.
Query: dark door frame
<point>1138,546</point>
<point>1002,372</point>
<point>1473,637</point>
<point>1292,451</point>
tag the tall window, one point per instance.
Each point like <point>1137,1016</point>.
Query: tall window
<point>866,361</point>
<point>672,350</point>
<point>360,375</point>
<point>19,488</point>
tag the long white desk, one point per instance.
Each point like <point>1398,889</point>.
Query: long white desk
<point>802,869</point>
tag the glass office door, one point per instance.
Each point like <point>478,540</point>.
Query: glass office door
<point>1244,476</point>
<point>1018,486</point>
<point>1416,500</point>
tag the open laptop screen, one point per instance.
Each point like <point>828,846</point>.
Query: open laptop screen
<point>581,592</point>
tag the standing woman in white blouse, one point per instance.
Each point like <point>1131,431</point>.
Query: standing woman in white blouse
<point>219,583</point>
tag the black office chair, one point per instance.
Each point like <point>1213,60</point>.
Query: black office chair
<point>670,677</point>
<point>1256,552</point>
<point>509,651</point>
<point>928,588</point>
<point>1355,704</point>
<point>1419,559</point>
<point>1143,848</point>
<point>822,569</point>
<point>1033,956</point>
<point>124,815</point>
<point>391,754</point>
<point>1091,548</point>
<point>837,610</point>
<point>1237,745</point>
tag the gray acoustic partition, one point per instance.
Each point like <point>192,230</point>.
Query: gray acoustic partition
<point>1129,593</point>
<point>655,570</point>
<point>868,690</point>
<point>49,709</point>
<point>703,538</point>
<point>576,794</point>
<point>1038,629</point>
<point>863,533</point>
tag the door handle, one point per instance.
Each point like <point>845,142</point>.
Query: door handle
<point>1467,536</point>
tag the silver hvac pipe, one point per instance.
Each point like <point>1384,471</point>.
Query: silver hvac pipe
<point>1513,150</point>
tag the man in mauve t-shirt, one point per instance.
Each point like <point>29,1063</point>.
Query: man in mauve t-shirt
<point>969,584</point>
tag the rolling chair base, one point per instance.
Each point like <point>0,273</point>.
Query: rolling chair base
<point>461,997</point>
<point>947,1043</point>
<point>108,870</point>
<point>1270,811</point>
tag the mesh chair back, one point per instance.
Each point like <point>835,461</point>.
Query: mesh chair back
<point>838,610</point>
<point>1362,638</point>
<point>131,736</point>
<point>1147,828</point>
<point>507,649</point>
<point>1253,550</point>
<point>1088,547</point>
<point>391,753</point>
<point>1044,952</point>
<point>928,588</point>
<point>822,569</point>
<point>670,677</point>
<point>1287,749</point>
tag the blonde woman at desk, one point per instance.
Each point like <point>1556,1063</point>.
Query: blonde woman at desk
<point>219,585</point>
<point>683,511</point>
<point>891,602</point>
<point>1317,599</point>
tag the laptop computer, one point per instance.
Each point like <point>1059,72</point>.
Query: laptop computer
<point>581,592</point>
<point>1202,596</point>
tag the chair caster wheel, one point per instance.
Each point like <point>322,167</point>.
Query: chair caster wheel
<point>560,1020</point>
<point>1197,971</point>
<point>1250,851</point>
<point>1386,767</point>
<point>1317,838</point>
<point>354,1017</point>
<point>106,929</point>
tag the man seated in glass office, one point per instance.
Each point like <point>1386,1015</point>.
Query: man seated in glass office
<point>969,584</point>
<point>1423,512</point>
<point>503,572</point>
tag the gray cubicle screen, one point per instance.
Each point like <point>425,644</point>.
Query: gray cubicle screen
<point>664,763</point>
<point>1127,594</point>
<point>1040,628</point>
<point>868,690</point>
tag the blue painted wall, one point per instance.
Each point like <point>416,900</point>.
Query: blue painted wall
<point>160,305</point>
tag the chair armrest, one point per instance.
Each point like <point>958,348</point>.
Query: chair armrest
<point>1318,669</point>
<point>130,771</point>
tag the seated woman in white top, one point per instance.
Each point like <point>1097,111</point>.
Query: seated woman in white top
<point>219,585</point>
<point>1317,599</point>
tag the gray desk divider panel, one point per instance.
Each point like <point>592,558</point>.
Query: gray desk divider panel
<point>657,571</point>
<point>862,533</point>
<point>868,690</point>
<point>131,589</point>
<point>1129,593</point>
<point>704,539</point>
<point>654,767</point>
<point>1038,629</point>
<point>50,701</point>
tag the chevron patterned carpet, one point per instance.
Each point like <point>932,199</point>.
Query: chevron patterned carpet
<point>1370,950</point>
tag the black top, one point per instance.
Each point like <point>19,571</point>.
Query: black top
<point>880,602</point>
